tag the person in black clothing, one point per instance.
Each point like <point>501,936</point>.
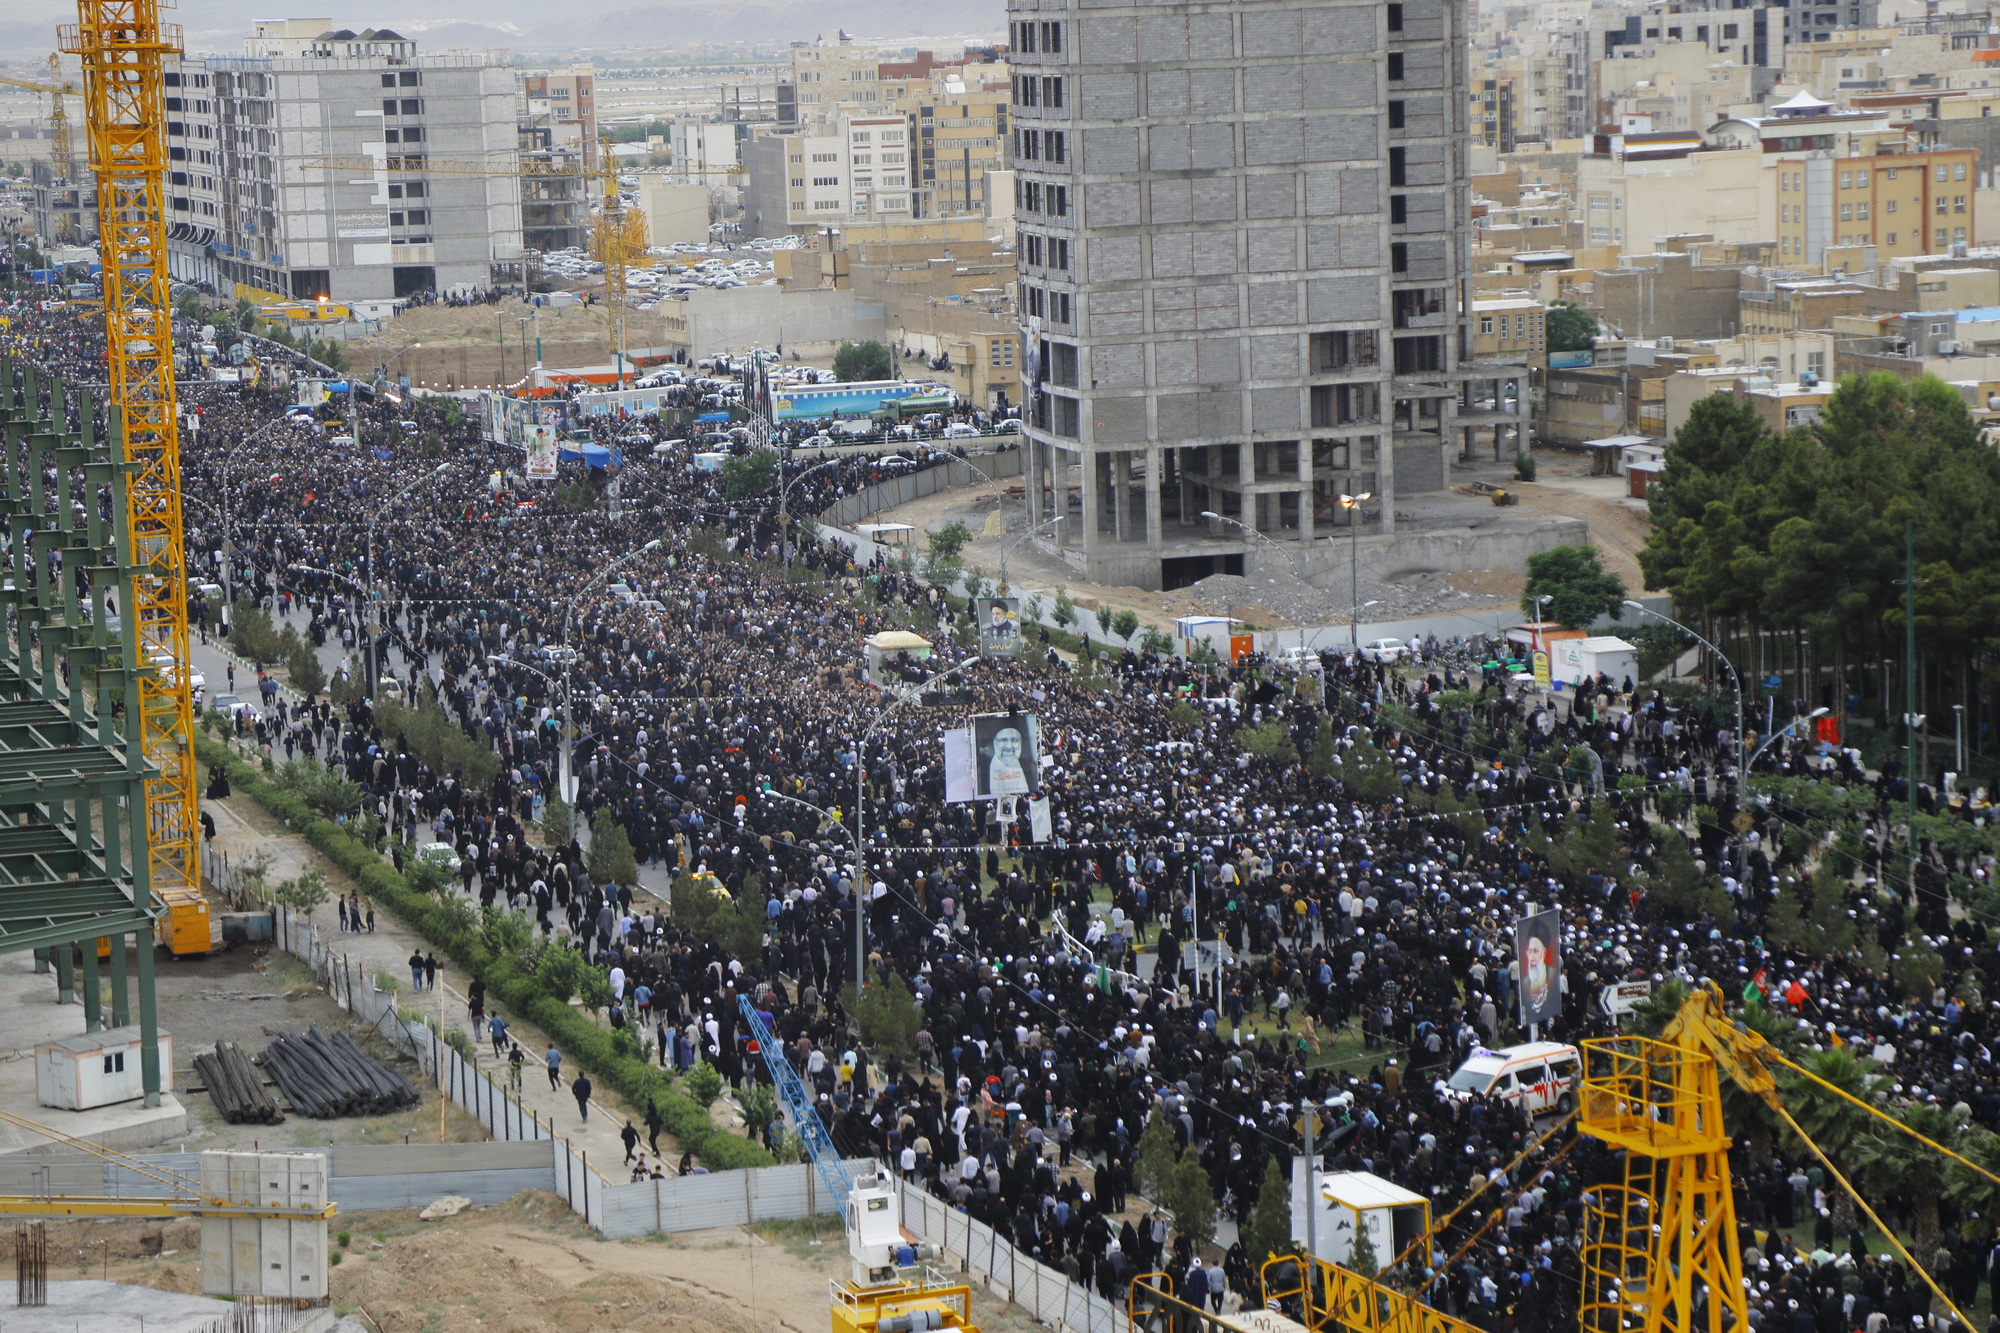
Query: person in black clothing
<point>630,1138</point>
<point>475,1001</point>
<point>653,1127</point>
<point>580,1089</point>
<point>430,971</point>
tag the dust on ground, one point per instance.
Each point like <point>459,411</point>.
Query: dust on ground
<point>1619,525</point>
<point>525,1266</point>
<point>434,325</point>
<point>1272,598</point>
<point>248,995</point>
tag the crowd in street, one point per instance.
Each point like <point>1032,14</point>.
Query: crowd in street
<point>1203,927</point>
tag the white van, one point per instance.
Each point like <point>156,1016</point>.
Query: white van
<point>1539,1076</point>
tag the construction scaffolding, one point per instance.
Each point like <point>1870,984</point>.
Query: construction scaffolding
<point>73,770</point>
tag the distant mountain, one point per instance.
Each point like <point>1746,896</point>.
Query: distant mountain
<point>219,26</point>
<point>688,22</point>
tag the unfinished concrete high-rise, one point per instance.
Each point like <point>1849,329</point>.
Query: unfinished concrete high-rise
<point>1242,261</point>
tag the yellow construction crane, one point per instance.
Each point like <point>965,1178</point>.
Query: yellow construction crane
<point>186,1196</point>
<point>62,147</point>
<point>122,44</point>
<point>1660,1250</point>
<point>617,237</point>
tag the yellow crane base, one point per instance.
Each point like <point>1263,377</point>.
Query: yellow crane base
<point>56,1205</point>
<point>859,1309</point>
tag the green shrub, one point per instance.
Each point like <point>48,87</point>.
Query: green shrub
<point>445,925</point>
<point>704,1084</point>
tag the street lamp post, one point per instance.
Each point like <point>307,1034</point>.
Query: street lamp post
<point>1290,559</point>
<point>1958,730</point>
<point>1765,744</point>
<point>374,628</point>
<point>784,507</point>
<point>1742,778</point>
<point>1008,549</point>
<point>861,885</point>
<point>228,531</point>
<point>566,782</point>
<point>1352,504</point>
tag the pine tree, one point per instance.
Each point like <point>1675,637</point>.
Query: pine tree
<point>1362,1258</point>
<point>1268,1230</point>
<point>1158,1155</point>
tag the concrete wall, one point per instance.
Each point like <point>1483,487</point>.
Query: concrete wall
<point>1666,295</point>
<point>732,320</point>
<point>675,214</point>
<point>916,485</point>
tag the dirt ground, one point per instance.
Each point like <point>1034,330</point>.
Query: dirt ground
<point>525,1266</point>
<point>1618,527</point>
<point>249,994</point>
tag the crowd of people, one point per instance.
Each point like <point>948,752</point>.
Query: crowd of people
<point>1202,927</point>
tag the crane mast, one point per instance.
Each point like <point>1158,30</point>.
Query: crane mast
<point>122,44</point>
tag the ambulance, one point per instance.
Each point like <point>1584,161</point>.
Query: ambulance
<point>1539,1076</point>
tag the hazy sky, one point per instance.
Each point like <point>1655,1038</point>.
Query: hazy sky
<point>27,27</point>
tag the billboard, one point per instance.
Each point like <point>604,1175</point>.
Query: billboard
<point>1538,949</point>
<point>1005,754</point>
<point>999,626</point>
<point>542,449</point>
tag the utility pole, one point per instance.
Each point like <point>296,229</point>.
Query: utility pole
<point>1910,688</point>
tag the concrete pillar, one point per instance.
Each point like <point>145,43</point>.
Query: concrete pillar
<point>1031,480</point>
<point>65,974</point>
<point>1121,491</point>
<point>1385,481</point>
<point>1304,459</point>
<point>1093,499</point>
<point>1058,462</point>
<point>1155,461</point>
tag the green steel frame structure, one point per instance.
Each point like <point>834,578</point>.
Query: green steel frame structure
<point>73,864</point>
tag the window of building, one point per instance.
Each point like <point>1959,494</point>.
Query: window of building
<point>388,80</point>
<point>1943,237</point>
<point>1028,145</point>
<point>1861,212</point>
<point>1052,37</point>
<point>1847,212</point>
<point>1486,323</point>
<point>1958,233</point>
<point>1958,171</point>
<point>820,181</point>
<point>1395,16</point>
<point>1861,180</point>
<point>1058,254</point>
<point>1052,91</point>
<point>1342,351</point>
<point>798,182</point>
<point>1889,206</point>
<point>420,217</point>
<point>1057,142</point>
<point>1943,172</point>
<point>388,106</point>
<point>1399,252</point>
<point>1395,63</point>
<point>1395,115</point>
<point>1059,201</point>
<point>409,79</point>
<point>798,205</point>
<point>1399,170</point>
<point>1958,203</point>
<point>1399,208</point>
<point>863,136</point>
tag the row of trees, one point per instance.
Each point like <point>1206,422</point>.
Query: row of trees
<point>1791,546</point>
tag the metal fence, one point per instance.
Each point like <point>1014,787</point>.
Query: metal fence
<point>851,509</point>
<point>1045,1293</point>
<point>680,1203</point>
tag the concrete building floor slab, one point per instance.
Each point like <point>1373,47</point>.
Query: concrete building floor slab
<point>114,1307</point>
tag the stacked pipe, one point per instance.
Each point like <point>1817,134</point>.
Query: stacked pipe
<point>236,1086</point>
<point>325,1077</point>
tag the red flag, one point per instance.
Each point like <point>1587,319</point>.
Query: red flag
<point>1828,730</point>
<point>309,497</point>
<point>1762,981</point>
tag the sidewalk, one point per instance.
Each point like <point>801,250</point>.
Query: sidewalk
<point>243,830</point>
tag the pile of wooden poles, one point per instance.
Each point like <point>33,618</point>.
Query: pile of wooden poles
<point>237,1086</point>
<point>326,1077</point>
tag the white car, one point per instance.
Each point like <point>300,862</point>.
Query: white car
<point>440,853</point>
<point>958,430</point>
<point>1385,650</point>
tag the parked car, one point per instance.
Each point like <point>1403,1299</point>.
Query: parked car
<point>1385,650</point>
<point>439,853</point>
<point>958,430</point>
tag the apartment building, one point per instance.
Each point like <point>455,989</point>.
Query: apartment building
<point>1241,271</point>
<point>567,105</point>
<point>1492,102</point>
<point>855,167</point>
<point>253,201</point>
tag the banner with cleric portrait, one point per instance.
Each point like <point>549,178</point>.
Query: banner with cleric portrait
<point>1538,948</point>
<point>1006,758</point>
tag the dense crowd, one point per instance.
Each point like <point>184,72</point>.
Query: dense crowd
<point>1200,924</point>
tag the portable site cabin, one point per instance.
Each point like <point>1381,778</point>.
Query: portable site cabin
<point>95,1069</point>
<point>1349,1203</point>
<point>1573,661</point>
